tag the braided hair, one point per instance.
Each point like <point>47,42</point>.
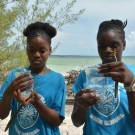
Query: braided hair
<point>116,25</point>
<point>41,29</point>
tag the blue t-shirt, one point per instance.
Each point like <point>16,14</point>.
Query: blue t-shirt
<point>110,116</point>
<point>52,91</point>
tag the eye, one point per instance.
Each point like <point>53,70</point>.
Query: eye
<point>42,51</point>
<point>114,45</point>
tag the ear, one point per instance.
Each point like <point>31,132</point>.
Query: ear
<point>50,50</point>
<point>124,45</point>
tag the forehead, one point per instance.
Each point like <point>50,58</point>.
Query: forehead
<point>109,36</point>
<point>38,42</point>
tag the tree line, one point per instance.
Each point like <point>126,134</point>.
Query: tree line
<point>15,15</point>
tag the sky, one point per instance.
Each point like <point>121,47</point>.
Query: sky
<point>80,38</point>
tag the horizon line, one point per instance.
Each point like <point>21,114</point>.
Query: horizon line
<point>89,55</point>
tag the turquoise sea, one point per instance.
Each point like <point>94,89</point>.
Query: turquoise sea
<point>64,64</point>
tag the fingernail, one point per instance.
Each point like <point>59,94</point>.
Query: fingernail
<point>84,94</point>
<point>92,94</point>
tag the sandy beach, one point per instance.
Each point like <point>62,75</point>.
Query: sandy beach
<point>66,127</point>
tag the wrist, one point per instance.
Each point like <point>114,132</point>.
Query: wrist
<point>8,94</point>
<point>131,87</point>
<point>84,108</point>
<point>130,83</point>
<point>35,103</point>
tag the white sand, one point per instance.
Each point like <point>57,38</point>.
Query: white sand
<point>66,127</point>
<point>3,124</point>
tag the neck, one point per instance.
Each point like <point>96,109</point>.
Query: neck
<point>41,70</point>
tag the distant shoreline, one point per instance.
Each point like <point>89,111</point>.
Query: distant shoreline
<point>80,56</point>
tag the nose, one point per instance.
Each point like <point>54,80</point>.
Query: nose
<point>36,54</point>
<point>108,50</point>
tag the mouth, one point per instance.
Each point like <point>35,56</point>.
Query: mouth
<point>108,59</point>
<point>36,61</point>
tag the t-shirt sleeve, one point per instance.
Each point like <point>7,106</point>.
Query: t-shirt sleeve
<point>131,67</point>
<point>80,82</point>
<point>3,87</point>
<point>6,83</point>
<point>60,98</point>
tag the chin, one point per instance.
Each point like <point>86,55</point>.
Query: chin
<point>108,61</point>
<point>36,66</point>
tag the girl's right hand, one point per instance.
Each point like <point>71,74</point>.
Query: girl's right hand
<point>32,99</point>
<point>23,82</point>
<point>86,98</point>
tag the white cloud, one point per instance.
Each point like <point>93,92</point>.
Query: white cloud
<point>107,8</point>
<point>80,38</point>
<point>131,40</point>
<point>132,37</point>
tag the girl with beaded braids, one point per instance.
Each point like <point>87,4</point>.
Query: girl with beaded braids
<point>108,116</point>
<point>44,112</point>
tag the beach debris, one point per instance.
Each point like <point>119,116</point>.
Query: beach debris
<point>70,79</point>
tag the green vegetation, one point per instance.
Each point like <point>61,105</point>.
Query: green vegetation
<point>16,15</point>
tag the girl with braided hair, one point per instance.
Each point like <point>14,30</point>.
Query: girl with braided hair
<point>44,112</point>
<point>108,116</point>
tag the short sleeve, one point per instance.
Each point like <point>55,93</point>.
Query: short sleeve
<point>3,88</point>
<point>60,98</point>
<point>80,82</point>
<point>6,83</point>
<point>131,67</point>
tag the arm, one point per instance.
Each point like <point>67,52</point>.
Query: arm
<point>120,73</point>
<point>53,115</point>
<point>5,104</point>
<point>48,114</point>
<point>7,93</point>
<point>78,112</point>
<point>131,103</point>
<point>83,101</point>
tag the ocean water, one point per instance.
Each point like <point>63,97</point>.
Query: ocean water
<point>63,64</point>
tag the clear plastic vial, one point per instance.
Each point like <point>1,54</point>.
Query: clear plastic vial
<point>95,81</point>
<point>27,92</point>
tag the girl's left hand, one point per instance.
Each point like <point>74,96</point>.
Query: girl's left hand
<point>118,71</point>
<point>25,101</point>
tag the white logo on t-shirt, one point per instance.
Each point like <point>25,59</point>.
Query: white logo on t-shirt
<point>109,104</point>
<point>28,115</point>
